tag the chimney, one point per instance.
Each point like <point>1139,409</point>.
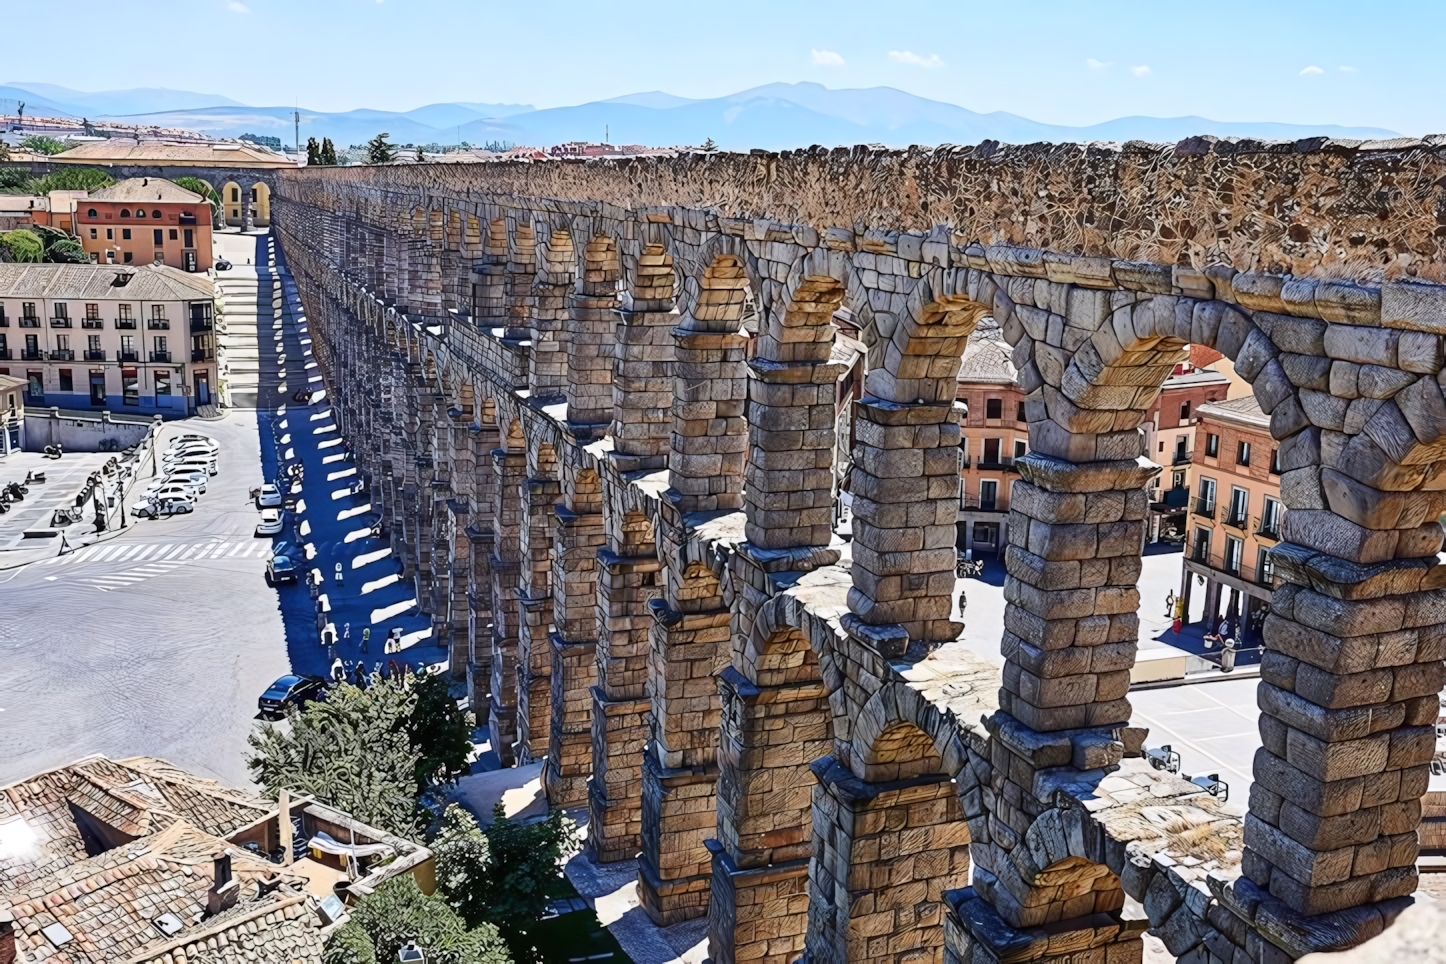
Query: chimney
<point>7,936</point>
<point>225,889</point>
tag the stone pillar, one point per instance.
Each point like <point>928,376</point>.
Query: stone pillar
<point>626,580</point>
<point>551,291</point>
<point>534,613</point>
<point>510,465</point>
<point>642,368</point>
<point>885,854</point>
<point>591,330</point>
<point>577,538</point>
<point>458,566</point>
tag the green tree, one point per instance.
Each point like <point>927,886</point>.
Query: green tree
<point>197,186</point>
<point>440,730</point>
<point>328,151</point>
<point>60,248</point>
<point>507,873</point>
<point>41,144</point>
<point>313,152</point>
<point>380,150</point>
<point>351,751</point>
<point>15,180</point>
<point>398,912</point>
<point>73,179</point>
<point>23,246</point>
<point>421,156</point>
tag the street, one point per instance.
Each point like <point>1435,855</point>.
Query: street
<point>157,640</point>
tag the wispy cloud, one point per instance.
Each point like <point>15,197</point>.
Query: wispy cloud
<point>1093,64</point>
<point>1348,70</point>
<point>827,58</point>
<point>1143,70</point>
<point>236,6</point>
<point>915,60</point>
<point>1311,71</point>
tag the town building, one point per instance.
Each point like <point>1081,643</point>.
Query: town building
<point>146,220</point>
<point>12,414</point>
<point>55,210</point>
<point>993,434</point>
<point>1234,519</point>
<point>126,338</point>
<point>1170,442</point>
<point>137,860</point>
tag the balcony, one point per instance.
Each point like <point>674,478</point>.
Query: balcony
<point>202,354</point>
<point>4,322</point>
<point>1269,527</point>
<point>95,354</point>
<point>94,324</point>
<point>982,505</point>
<point>161,356</point>
<point>32,354</point>
<point>125,324</point>
<point>1182,458</point>
<point>29,322</point>
<point>201,324</point>
<point>62,354</point>
<point>965,461</point>
<point>60,323</point>
<point>158,324</point>
<point>6,354</point>
<point>127,355</point>
<point>1237,518</point>
<point>1205,508</point>
<point>998,463</point>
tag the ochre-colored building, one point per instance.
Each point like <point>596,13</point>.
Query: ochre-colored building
<point>146,220</point>
<point>993,434</point>
<point>1170,442</point>
<point>1234,518</point>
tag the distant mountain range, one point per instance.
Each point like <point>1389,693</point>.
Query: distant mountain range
<point>774,116</point>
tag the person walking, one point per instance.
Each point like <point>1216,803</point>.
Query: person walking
<point>366,639</point>
<point>346,631</point>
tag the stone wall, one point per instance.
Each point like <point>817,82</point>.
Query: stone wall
<point>783,727</point>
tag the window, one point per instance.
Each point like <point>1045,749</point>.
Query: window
<point>158,312</point>
<point>90,214</point>
<point>140,213</point>
<point>62,310</point>
<point>1182,448</point>
<point>173,234</point>
<point>159,344</point>
<point>125,312</point>
<point>92,343</point>
<point>163,382</point>
<point>93,234</point>
<point>127,258</point>
<point>991,451</point>
<point>1264,566</point>
<point>235,195</point>
<point>67,381</point>
<point>125,234</point>
<point>1275,461</point>
<point>159,237</point>
<point>1205,501</point>
<point>1177,480</point>
<point>1239,507</point>
<point>1202,546</point>
<point>92,311</point>
<point>1020,417</point>
<point>994,408</point>
<point>125,212</point>
<point>986,535</point>
<point>1212,446</point>
<point>27,309</point>
<point>1185,410</point>
<point>36,386</point>
<point>155,214</point>
<point>1021,448</point>
<point>190,241</point>
<point>62,343</point>
<point>1270,518</point>
<point>1242,453</point>
<point>1233,549</point>
<point>130,386</point>
<point>110,234</point>
<point>988,494</point>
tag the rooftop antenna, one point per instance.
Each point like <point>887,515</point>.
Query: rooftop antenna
<point>296,115</point>
<point>606,134</point>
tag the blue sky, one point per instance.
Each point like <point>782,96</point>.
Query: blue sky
<point>1074,63</point>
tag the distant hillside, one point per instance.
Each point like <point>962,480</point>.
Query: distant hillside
<point>774,116</point>
<point>139,100</point>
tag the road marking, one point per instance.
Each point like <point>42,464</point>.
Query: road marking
<point>170,552</point>
<point>235,549</point>
<point>149,550</point>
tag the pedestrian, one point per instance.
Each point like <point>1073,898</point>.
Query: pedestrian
<point>366,639</point>
<point>1170,603</point>
<point>346,630</point>
<point>338,671</point>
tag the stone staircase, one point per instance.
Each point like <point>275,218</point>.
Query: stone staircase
<point>246,353</point>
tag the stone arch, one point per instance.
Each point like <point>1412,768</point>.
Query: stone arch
<point>261,204</point>
<point>591,331</point>
<point>232,203</point>
<point>642,359</point>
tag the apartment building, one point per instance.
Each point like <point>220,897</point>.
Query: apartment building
<point>994,434</point>
<point>1170,441</point>
<point>146,220</point>
<point>109,336</point>
<point>1234,517</point>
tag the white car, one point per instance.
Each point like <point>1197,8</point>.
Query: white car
<point>189,464</point>
<point>171,490</point>
<point>190,452</point>
<point>272,522</point>
<point>192,480</point>
<point>192,443</point>
<point>270,497</point>
<point>159,507</point>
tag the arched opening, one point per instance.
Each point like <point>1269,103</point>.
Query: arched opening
<point>233,204</point>
<point>260,201</point>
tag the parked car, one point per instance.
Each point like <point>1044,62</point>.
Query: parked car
<point>193,441</point>
<point>270,496</point>
<point>195,481</point>
<point>190,464</point>
<point>291,690</point>
<point>155,508</point>
<point>221,264</point>
<point>281,568</point>
<point>170,490</point>
<point>197,452</point>
<point>272,522</point>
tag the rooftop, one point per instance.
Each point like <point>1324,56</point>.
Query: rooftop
<point>1244,411</point>
<point>146,189</point>
<point>98,282</point>
<point>123,150</point>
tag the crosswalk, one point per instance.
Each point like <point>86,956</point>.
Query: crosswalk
<point>149,560</point>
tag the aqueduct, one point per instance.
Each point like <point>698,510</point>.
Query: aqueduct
<point>598,406</point>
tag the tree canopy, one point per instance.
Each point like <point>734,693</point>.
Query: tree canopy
<point>197,186</point>
<point>313,152</point>
<point>380,150</point>
<point>73,179</point>
<point>506,874</point>
<point>39,243</point>
<point>23,246</point>
<point>328,152</point>
<point>41,144</point>
<point>398,912</point>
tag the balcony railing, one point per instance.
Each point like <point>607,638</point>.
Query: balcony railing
<point>1269,527</point>
<point>1237,518</point>
<point>94,324</point>
<point>158,324</point>
<point>125,324</point>
<point>6,354</point>
<point>160,356</point>
<point>201,354</point>
<point>62,354</point>
<point>95,354</point>
<point>999,462</point>
<point>983,505</point>
<point>201,324</point>
<point>32,354</point>
<point>127,356</point>
<point>4,322</point>
<point>1182,458</point>
<point>60,323</point>
<point>29,322</point>
<point>1205,508</point>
